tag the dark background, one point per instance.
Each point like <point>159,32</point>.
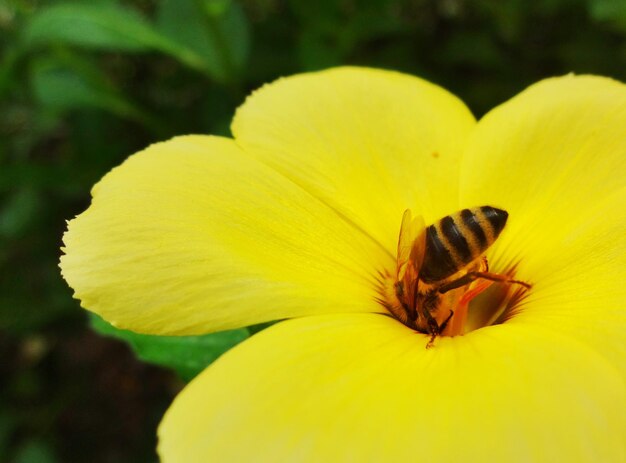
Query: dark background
<point>85,84</point>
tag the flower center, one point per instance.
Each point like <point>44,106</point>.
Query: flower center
<point>441,270</point>
<point>455,311</point>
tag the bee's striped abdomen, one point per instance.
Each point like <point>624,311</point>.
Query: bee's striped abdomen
<point>458,239</point>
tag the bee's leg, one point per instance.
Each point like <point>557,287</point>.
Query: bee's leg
<point>499,278</point>
<point>471,276</point>
<point>485,264</point>
<point>433,327</point>
<point>436,329</point>
<point>445,322</point>
<point>431,341</point>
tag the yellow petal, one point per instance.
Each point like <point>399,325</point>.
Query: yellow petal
<point>371,143</point>
<point>555,158</point>
<point>580,273</point>
<point>191,236</point>
<point>547,156</point>
<point>364,388</point>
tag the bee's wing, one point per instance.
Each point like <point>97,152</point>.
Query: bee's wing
<point>411,246</point>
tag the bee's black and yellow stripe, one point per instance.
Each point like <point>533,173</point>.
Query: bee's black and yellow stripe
<point>458,239</point>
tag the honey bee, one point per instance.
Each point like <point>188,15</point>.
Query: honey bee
<point>437,264</point>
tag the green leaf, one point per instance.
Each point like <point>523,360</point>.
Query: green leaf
<point>35,451</point>
<point>318,52</point>
<point>19,212</point>
<point>217,30</point>
<point>60,87</point>
<point>187,355</point>
<point>67,83</point>
<point>613,11</point>
<point>7,428</point>
<point>103,26</point>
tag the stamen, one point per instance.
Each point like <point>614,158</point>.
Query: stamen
<point>479,302</point>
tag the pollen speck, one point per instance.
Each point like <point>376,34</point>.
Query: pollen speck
<point>435,154</point>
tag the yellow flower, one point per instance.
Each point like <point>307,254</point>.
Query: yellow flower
<point>297,216</point>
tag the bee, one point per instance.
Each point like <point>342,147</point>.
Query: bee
<point>437,264</point>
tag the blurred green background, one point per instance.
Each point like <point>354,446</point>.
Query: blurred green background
<point>85,84</point>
